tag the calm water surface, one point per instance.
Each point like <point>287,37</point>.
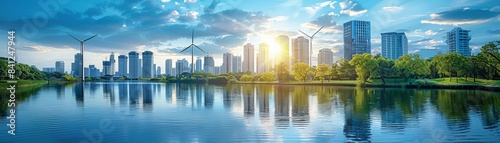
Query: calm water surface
<point>158,112</point>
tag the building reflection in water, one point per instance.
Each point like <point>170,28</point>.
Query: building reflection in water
<point>147,97</point>
<point>199,94</point>
<point>226,96</point>
<point>300,106</point>
<point>168,92</point>
<point>209,96</point>
<point>263,92</point>
<point>109,93</point>
<point>248,100</point>
<point>60,90</point>
<point>134,94</point>
<point>78,90</point>
<point>357,116</point>
<point>182,93</point>
<point>123,94</point>
<point>282,106</point>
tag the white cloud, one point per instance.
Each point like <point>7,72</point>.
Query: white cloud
<point>165,1</point>
<point>192,14</point>
<point>392,9</point>
<point>277,19</point>
<point>430,32</point>
<point>312,10</point>
<point>173,14</point>
<point>345,4</point>
<point>189,1</point>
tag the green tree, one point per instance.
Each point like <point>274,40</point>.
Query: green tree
<point>267,76</point>
<point>246,77</point>
<point>345,70</point>
<point>300,71</point>
<point>322,70</point>
<point>282,72</point>
<point>385,68</point>
<point>365,66</point>
<point>411,65</point>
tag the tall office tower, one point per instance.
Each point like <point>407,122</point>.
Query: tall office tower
<point>236,64</point>
<point>168,67</point>
<point>356,38</point>
<point>76,66</point>
<point>227,63</point>
<point>158,71</point>
<point>106,68</point>
<point>284,51</point>
<point>94,72</point>
<point>394,45</point>
<point>134,65</point>
<point>87,72</point>
<point>140,67</point>
<point>122,65</point>
<point>198,64</point>
<point>300,50</point>
<point>49,69</point>
<point>154,70</point>
<point>182,66</point>
<point>147,64</point>
<point>112,62</point>
<point>217,70</point>
<point>209,64</point>
<point>60,66</point>
<point>248,58</point>
<point>325,56</point>
<point>263,60</point>
<point>458,41</point>
<point>174,71</point>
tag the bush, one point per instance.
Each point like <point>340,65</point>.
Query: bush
<point>246,77</point>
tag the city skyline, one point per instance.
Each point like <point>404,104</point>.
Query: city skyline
<point>120,31</point>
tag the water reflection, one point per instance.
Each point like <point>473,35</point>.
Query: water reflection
<point>123,93</point>
<point>79,92</point>
<point>208,97</point>
<point>147,99</point>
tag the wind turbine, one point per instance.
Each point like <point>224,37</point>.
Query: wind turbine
<point>81,51</point>
<point>310,43</point>
<point>192,51</point>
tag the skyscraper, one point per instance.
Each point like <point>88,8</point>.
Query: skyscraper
<point>147,64</point>
<point>112,62</point>
<point>356,38</point>
<point>300,50</point>
<point>263,61</point>
<point>168,67</point>
<point>60,66</point>
<point>236,64</point>
<point>106,68</point>
<point>458,41</point>
<point>198,64</point>
<point>394,45</point>
<point>182,66</point>
<point>325,56</point>
<point>248,58</point>
<point>134,65</point>
<point>227,63</point>
<point>284,51</point>
<point>76,66</point>
<point>158,71</point>
<point>209,64</point>
<point>122,65</point>
<point>154,70</point>
<point>94,72</point>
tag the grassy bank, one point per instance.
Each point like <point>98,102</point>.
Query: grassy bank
<point>22,83</point>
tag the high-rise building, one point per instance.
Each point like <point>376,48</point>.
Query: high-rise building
<point>248,58</point>
<point>134,65</point>
<point>106,68</point>
<point>356,38</point>
<point>236,64</point>
<point>140,67</point>
<point>60,66</point>
<point>325,56</point>
<point>394,45</point>
<point>458,41</point>
<point>168,67</point>
<point>182,66</point>
<point>147,64</point>
<point>122,65</point>
<point>198,64</point>
<point>49,69</point>
<point>300,50</point>
<point>94,72</point>
<point>227,63</point>
<point>76,66</point>
<point>112,62</point>
<point>154,70</point>
<point>87,72</point>
<point>158,71</point>
<point>209,64</point>
<point>263,60</point>
<point>284,51</point>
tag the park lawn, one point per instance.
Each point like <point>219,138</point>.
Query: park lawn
<point>470,81</point>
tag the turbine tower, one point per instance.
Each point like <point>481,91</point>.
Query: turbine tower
<point>310,43</point>
<point>81,51</point>
<point>192,51</point>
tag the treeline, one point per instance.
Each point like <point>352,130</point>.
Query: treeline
<point>26,72</point>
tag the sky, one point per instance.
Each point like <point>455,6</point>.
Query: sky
<point>164,26</point>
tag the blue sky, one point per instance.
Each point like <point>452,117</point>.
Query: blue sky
<point>164,26</point>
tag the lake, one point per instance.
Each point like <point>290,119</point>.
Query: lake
<point>163,112</point>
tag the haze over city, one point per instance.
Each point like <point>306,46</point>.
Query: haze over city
<point>164,26</point>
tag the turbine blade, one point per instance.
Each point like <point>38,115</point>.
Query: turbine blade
<point>89,38</point>
<point>199,48</point>
<point>304,34</point>
<point>186,48</point>
<point>317,31</point>
<point>74,37</point>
